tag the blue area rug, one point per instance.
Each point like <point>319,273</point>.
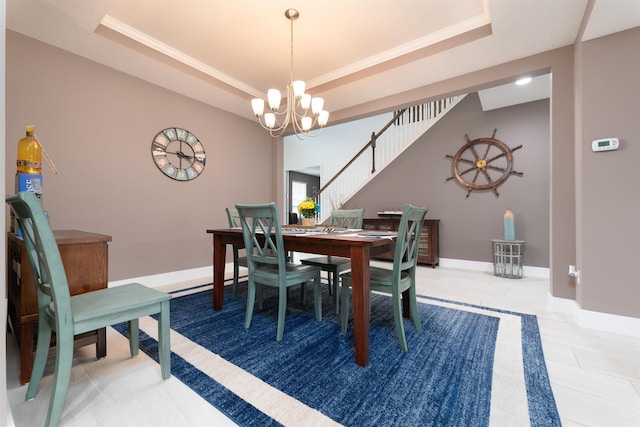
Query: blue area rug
<point>445,379</point>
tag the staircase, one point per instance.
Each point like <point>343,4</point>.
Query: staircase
<point>403,129</point>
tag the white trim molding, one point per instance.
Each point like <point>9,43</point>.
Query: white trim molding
<point>204,274</point>
<point>605,322</point>
<point>487,267</point>
<point>598,321</point>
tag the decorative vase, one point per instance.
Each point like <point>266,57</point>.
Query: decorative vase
<point>509,226</point>
<point>308,222</point>
<point>29,153</point>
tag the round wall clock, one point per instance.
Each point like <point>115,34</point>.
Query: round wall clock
<point>178,154</point>
<point>483,164</point>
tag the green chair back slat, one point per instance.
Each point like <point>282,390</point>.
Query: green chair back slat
<point>347,218</point>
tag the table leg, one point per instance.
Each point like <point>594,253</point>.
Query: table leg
<point>101,343</point>
<point>219,259</point>
<point>406,307</point>
<point>360,300</point>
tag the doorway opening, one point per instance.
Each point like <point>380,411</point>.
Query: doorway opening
<point>300,186</point>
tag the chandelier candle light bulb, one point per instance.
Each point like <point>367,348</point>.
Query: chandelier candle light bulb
<point>270,120</point>
<point>298,89</point>
<point>295,116</point>
<point>273,95</point>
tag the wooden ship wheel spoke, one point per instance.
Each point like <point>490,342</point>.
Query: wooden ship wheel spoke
<point>486,171</point>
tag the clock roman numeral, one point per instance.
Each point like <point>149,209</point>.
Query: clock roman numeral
<point>161,161</point>
<point>182,175</point>
<point>158,149</point>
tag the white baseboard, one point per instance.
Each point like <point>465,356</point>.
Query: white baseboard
<point>206,273</point>
<point>588,319</point>
<point>598,321</point>
<point>487,267</point>
<point>595,320</point>
<point>202,273</point>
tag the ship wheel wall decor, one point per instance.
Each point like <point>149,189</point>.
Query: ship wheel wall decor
<point>483,164</point>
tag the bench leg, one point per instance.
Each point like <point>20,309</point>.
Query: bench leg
<point>164,333</point>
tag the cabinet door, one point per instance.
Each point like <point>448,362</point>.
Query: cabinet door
<point>381,224</point>
<point>428,252</point>
<point>428,249</point>
<point>388,225</point>
<point>424,248</point>
<point>86,266</point>
<point>369,224</point>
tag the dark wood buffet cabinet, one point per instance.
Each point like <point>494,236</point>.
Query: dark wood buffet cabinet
<point>85,259</point>
<point>428,252</point>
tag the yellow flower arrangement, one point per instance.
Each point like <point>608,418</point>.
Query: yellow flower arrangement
<point>308,208</point>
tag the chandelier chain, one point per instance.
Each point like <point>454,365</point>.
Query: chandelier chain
<point>291,53</point>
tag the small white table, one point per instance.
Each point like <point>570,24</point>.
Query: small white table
<point>507,258</point>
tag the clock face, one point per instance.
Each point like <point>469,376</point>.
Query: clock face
<point>178,154</point>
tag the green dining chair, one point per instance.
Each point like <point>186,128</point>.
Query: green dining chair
<point>267,261</point>
<point>238,261</point>
<point>398,280</point>
<point>68,316</point>
<point>341,218</point>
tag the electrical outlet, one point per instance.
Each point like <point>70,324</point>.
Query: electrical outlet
<point>574,272</point>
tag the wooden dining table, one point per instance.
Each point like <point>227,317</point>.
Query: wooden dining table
<point>358,248</point>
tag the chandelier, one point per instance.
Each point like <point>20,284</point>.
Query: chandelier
<point>297,112</point>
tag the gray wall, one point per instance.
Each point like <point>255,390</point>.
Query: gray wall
<point>467,225</point>
<point>97,124</point>
<point>594,202</point>
<point>562,160</point>
<point>607,182</point>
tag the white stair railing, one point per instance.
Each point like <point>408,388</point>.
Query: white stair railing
<point>392,141</point>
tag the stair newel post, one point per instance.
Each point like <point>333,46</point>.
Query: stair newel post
<point>373,152</point>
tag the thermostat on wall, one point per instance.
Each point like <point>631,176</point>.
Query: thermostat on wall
<point>605,144</point>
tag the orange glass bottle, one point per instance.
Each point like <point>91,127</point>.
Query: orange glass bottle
<point>29,153</point>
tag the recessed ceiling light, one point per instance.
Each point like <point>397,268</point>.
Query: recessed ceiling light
<point>523,81</point>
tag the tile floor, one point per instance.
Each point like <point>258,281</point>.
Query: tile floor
<point>595,376</point>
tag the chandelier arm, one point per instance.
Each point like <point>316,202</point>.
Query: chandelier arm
<point>302,135</point>
<point>276,134</point>
<point>272,131</point>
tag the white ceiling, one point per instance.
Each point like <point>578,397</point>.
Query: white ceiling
<point>511,94</point>
<point>350,52</point>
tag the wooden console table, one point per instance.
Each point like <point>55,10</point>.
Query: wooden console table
<point>85,259</point>
<point>428,252</point>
